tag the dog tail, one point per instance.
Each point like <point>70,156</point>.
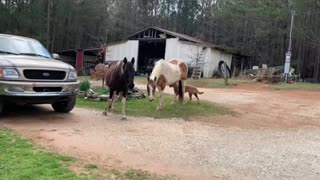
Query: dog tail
<point>200,92</point>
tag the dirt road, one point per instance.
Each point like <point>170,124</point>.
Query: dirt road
<point>274,135</point>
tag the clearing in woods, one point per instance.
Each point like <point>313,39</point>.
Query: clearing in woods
<point>273,135</point>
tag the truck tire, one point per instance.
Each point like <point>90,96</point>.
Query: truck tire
<point>1,106</point>
<point>65,106</point>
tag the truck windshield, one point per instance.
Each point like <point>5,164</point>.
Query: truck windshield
<point>17,46</point>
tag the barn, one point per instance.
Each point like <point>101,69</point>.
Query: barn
<point>154,43</point>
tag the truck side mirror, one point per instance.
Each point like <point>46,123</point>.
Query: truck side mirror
<point>56,56</point>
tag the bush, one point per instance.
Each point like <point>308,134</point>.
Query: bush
<point>85,85</point>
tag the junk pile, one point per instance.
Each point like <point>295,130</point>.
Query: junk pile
<point>264,74</point>
<point>91,94</point>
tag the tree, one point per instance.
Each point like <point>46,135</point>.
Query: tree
<point>258,28</point>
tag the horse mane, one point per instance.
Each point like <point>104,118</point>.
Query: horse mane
<point>115,71</point>
<point>116,66</point>
<point>157,69</point>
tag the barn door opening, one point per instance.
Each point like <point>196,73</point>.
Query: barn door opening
<point>150,51</point>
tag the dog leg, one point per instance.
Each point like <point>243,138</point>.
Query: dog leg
<point>196,95</point>
<point>190,96</point>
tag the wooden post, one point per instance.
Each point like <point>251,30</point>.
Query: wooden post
<point>79,60</point>
<point>225,73</point>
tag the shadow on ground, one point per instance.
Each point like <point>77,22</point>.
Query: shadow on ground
<point>33,113</point>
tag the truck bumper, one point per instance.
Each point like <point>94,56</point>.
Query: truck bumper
<point>38,89</point>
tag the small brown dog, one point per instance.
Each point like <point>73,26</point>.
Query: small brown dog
<point>188,89</point>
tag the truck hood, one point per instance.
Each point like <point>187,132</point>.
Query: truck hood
<point>33,62</point>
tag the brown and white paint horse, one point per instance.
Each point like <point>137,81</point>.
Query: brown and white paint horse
<point>164,73</point>
<point>119,79</point>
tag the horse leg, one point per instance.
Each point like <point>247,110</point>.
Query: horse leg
<point>114,99</point>
<point>159,108</point>
<point>174,97</point>
<point>120,95</point>
<point>123,111</point>
<point>181,90</point>
<point>109,104</point>
<point>175,94</point>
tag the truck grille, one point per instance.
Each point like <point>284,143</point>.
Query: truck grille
<point>47,89</point>
<point>44,74</point>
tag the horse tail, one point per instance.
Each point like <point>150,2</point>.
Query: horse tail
<point>180,91</point>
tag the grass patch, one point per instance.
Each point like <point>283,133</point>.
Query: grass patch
<point>140,80</point>
<point>142,107</point>
<point>297,86</point>
<point>135,175</point>
<point>101,90</point>
<point>21,160</point>
<point>91,166</point>
<point>217,83</point>
<point>83,78</point>
<point>204,83</point>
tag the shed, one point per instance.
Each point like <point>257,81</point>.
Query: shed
<point>154,43</point>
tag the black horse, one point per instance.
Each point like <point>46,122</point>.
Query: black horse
<point>119,79</point>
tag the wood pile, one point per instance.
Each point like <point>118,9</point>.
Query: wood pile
<point>268,75</point>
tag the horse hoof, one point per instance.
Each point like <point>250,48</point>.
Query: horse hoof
<point>105,113</point>
<point>124,118</point>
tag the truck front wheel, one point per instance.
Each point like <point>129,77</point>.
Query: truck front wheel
<point>65,106</point>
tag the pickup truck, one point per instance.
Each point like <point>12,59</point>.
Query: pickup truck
<point>29,74</point>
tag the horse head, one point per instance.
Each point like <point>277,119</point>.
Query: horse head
<point>151,87</point>
<point>128,70</point>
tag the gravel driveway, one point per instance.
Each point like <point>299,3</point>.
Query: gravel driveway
<point>275,135</point>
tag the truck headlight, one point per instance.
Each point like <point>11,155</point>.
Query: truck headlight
<point>9,73</point>
<point>72,75</point>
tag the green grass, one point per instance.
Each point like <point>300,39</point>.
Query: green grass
<point>297,86</point>
<point>19,159</point>
<point>142,107</point>
<point>204,82</point>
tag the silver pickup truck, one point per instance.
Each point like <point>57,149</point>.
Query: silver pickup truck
<point>30,75</point>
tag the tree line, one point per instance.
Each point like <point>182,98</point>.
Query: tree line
<point>257,28</point>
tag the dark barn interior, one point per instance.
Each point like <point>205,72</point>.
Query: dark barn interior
<point>152,47</point>
<point>150,51</point>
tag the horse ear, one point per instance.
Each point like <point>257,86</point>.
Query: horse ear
<point>125,60</point>
<point>132,61</point>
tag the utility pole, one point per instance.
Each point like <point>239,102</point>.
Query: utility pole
<point>48,23</point>
<point>289,52</point>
